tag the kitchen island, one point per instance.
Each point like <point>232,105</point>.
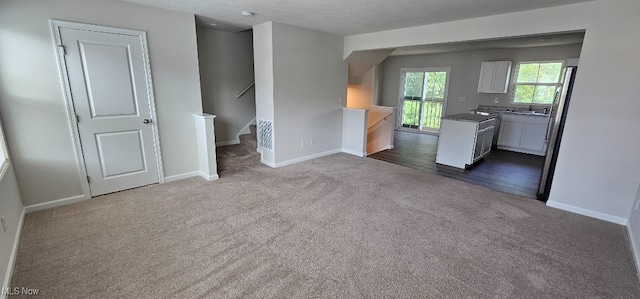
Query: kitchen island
<point>464,139</point>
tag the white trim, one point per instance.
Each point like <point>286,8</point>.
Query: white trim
<point>54,203</point>
<point>71,114</point>
<point>355,153</point>
<point>268,163</point>
<point>514,81</point>
<point>245,130</point>
<point>590,213</point>
<point>635,248</point>
<point>209,177</point>
<point>14,253</point>
<point>183,176</point>
<point>305,158</point>
<point>230,142</point>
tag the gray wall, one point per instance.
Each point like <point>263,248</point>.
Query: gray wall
<point>301,83</point>
<point>310,85</point>
<point>226,68</point>
<point>32,105</point>
<point>465,73</point>
<point>11,209</point>
<point>598,167</point>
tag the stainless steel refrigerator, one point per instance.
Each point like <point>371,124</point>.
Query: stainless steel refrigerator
<point>557,120</point>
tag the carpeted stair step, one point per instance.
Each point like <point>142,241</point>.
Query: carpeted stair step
<point>236,156</point>
<point>249,140</point>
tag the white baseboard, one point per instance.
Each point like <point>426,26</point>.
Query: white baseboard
<point>54,203</point>
<point>305,158</point>
<point>355,153</point>
<point>230,142</point>
<point>585,212</point>
<point>246,129</point>
<point>209,177</point>
<point>183,176</point>
<point>270,164</point>
<point>14,254</point>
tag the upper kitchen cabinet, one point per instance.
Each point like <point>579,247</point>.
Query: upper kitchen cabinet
<point>494,76</point>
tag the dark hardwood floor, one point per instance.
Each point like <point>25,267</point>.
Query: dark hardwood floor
<point>500,170</point>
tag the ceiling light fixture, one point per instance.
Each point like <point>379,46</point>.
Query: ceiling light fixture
<point>246,13</point>
<point>213,24</point>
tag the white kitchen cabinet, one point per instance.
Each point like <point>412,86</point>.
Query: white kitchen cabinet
<point>463,141</point>
<point>494,76</point>
<point>510,134</point>
<point>523,133</point>
<point>533,137</point>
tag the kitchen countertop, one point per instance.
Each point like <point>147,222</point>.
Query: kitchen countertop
<point>528,113</point>
<point>470,117</point>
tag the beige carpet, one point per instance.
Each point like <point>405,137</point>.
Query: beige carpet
<point>338,226</point>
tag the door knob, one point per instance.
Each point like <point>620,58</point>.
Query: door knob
<point>146,121</point>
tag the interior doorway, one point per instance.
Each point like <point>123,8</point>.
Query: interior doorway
<point>109,95</point>
<point>423,98</point>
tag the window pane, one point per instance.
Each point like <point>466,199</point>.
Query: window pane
<point>435,85</point>
<point>413,85</point>
<point>550,72</point>
<point>410,113</point>
<point>528,72</point>
<point>524,93</point>
<point>544,94</point>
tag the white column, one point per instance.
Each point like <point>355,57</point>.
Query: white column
<point>206,146</point>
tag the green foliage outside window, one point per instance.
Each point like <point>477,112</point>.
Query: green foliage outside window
<point>536,83</point>
<point>430,93</point>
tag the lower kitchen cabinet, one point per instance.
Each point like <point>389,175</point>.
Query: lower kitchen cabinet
<point>524,134</point>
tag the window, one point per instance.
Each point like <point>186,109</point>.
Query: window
<point>536,82</point>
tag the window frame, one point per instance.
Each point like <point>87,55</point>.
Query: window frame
<point>514,83</point>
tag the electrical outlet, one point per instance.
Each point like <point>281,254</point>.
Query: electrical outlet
<point>462,99</point>
<point>496,100</point>
<point>339,100</point>
<point>4,226</point>
<point>301,144</point>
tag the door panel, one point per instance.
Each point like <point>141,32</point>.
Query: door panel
<point>107,73</point>
<point>116,159</point>
<point>111,96</point>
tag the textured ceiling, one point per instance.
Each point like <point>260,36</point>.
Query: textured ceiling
<point>345,17</point>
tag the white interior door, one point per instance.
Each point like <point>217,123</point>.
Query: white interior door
<point>112,99</point>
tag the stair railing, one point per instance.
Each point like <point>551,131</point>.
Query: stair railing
<point>241,93</point>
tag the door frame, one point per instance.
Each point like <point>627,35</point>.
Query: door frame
<point>403,71</point>
<point>56,25</point>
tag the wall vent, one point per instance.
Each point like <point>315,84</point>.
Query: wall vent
<point>265,130</point>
